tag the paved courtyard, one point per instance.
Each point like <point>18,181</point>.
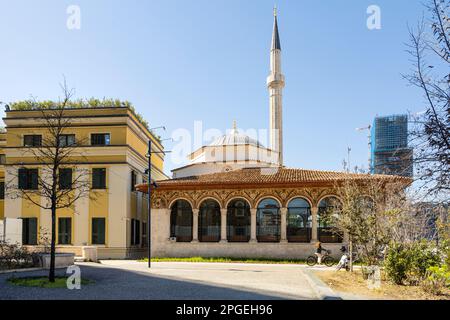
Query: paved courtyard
<point>126,279</point>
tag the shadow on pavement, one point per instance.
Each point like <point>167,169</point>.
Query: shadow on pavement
<point>114,283</point>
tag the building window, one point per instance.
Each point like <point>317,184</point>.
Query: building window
<point>238,221</point>
<point>98,178</point>
<point>268,220</point>
<point>144,233</point>
<point>28,179</point>
<point>64,230</point>
<point>100,139</point>
<point>2,159</point>
<point>65,178</point>
<point>2,190</point>
<point>326,232</point>
<point>299,221</point>
<point>98,230</point>
<point>181,221</point>
<point>29,231</point>
<point>66,140</point>
<point>209,221</point>
<point>34,140</point>
<point>133,180</point>
<point>135,232</point>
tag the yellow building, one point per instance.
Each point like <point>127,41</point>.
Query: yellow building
<point>112,145</point>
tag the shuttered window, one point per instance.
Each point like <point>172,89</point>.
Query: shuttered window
<point>66,140</point>
<point>100,139</point>
<point>28,179</point>
<point>32,140</point>
<point>2,190</point>
<point>64,231</point>
<point>99,178</point>
<point>98,230</point>
<point>29,231</point>
<point>135,232</point>
<point>65,178</point>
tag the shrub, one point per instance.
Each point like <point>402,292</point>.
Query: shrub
<point>410,262</point>
<point>436,279</point>
<point>423,256</point>
<point>14,256</point>
<point>397,263</point>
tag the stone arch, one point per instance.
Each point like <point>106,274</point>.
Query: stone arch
<point>180,198</point>
<point>268,196</point>
<point>303,196</point>
<point>327,233</point>
<point>235,197</point>
<point>330,195</point>
<point>238,220</point>
<point>208,197</point>
<point>181,220</point>
<point>209,220</point>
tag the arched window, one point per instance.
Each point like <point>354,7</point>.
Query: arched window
<point>209,221</point>
<point>299,221</point>
<point>367,204</point>
<point>238,221</point>
<point>326,232</point>
<point>181,221</point>
<point>268,221</point>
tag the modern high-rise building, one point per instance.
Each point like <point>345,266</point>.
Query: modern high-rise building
<point>390,153</point>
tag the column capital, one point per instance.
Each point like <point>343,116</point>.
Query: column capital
<point>223,211</point>
<point>195,211</point>
<point>284,210</point>
<point>253,211</point>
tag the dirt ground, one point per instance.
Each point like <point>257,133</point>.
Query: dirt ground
<point>353,283</point>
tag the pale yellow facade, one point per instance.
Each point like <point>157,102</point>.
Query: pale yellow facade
<point>117,204</point>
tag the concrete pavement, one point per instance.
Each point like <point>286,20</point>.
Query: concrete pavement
<point>127,279</point>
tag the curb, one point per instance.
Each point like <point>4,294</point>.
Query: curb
<point>20,270</point>
<point>322,291</point>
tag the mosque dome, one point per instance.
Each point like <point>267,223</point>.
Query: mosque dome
<point>235,138</point>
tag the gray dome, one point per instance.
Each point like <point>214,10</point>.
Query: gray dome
<point>235,138</point>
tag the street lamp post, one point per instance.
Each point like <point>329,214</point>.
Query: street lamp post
<point>369,143</point>
<point>149,205</point>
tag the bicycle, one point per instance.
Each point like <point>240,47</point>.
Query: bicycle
<point>326,259</point>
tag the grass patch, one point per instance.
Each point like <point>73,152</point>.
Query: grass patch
<point>353,283</point>
<point>227,260</point>
<point>42,282</point>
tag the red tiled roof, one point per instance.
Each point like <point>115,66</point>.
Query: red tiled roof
<point>269,176</point>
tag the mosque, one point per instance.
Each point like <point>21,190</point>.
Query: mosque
<point>235,198</point>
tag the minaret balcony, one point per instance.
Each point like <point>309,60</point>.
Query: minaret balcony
<point>275,80</point>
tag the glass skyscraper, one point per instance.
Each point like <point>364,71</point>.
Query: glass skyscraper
<point>390,153</point>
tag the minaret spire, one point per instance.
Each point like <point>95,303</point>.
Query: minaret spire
<point>275,36</point>
<point>275,84</point>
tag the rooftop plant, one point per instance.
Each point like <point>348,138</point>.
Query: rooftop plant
<point>79,103</point>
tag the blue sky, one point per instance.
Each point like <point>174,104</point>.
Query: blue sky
<point>182,61</point>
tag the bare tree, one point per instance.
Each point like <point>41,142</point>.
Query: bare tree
<point>51,191</point>
<point>373,213</point>
<point>429,49</point>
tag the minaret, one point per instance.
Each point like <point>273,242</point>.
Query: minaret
<point>275,84</point>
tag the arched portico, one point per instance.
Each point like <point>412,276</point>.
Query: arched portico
<point>238,220</point>
<point>181,219</point>
<point>209,218</point>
